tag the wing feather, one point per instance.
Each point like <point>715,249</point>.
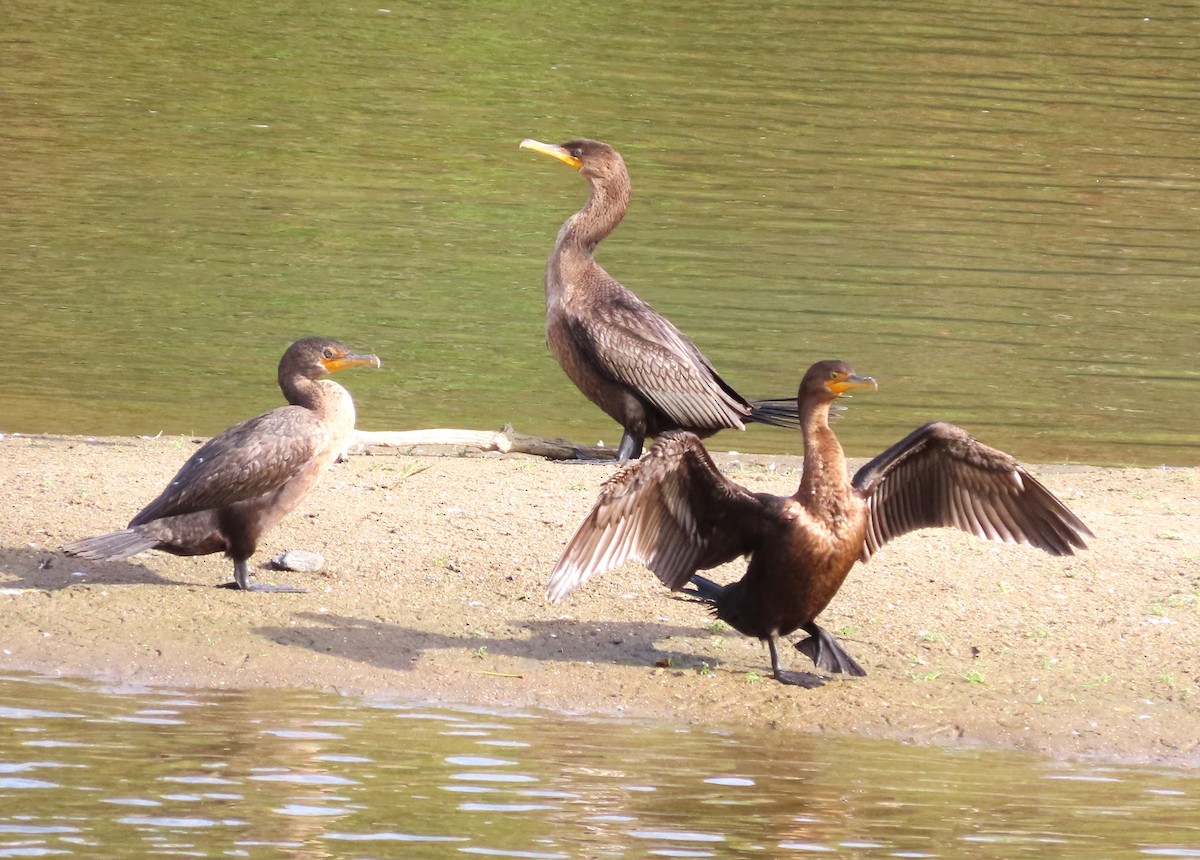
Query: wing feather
<point>637,346</point>
<point>255,457</point>
<point>673,511</point>
<point>939,475</point>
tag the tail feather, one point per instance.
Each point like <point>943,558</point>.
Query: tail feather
<point>777,412</point>
<point>704,589</point>
<point>113,546</point>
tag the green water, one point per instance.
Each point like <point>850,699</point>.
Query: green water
<point>95,772</point>
<point>992,209</point>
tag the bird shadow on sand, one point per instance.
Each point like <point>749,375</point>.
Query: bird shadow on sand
<point>397,648</point>
<point>51,570</point>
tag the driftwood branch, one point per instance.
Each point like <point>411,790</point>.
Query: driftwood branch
<point>506,441</point>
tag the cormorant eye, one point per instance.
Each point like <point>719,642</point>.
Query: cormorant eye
<point>328,352</point>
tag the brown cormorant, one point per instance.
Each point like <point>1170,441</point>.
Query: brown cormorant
<point>239,484</point>
<point>622,354</point>
<point>676,513</point>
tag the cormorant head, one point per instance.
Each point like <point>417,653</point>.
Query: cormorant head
<point>593,159</point>
<point>828,380</point>
<point>316,356</point>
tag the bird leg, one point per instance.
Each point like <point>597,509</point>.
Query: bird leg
<point>631,447</point>
<point>241,581</point>
<point>827,652</point>
<point>797,679</point>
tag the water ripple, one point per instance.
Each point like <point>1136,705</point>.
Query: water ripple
<point>677,835</point>
<point>199,780</point>
<point>150,721</point>
<point>494,777</point>
<point>301,735</point>
<point>17,783</point>
<point>29,851</point>
<point>499,852</point>
<point>728,780</point>
<point>504,807</point>
<point>391,836</point>
<point>479,761</point>
<point>33,714</point>
<point>304,778</point>
<point>131,801</point>
<point>171,822</point>
<point>309,811</point>
<point>344,759</point>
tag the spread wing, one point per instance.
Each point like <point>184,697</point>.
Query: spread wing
<point>637,346</point>
<point>673,511</point>
<point>255,457</point>
<point>939,475</point>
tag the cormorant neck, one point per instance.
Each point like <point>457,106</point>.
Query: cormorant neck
<point>825,482</point>
<point>606,206</point>
<point>299,390</point>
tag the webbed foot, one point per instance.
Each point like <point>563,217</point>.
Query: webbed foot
<point>827,653</point>
<point>281,588</point>
<point>807,680</point>
<point>242,582</point>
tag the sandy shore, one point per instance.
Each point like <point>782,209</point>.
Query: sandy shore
<point>433,590</point>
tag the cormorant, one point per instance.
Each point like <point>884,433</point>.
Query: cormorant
<point>238,485</point>
<point>677,514</point>
<point>620,352</point>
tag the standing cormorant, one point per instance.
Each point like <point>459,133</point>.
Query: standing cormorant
<point>239,484</point>
<point>622,354</point>
<point>676,513</point>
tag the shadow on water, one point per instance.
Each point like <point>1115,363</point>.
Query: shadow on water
<point>393,647</point>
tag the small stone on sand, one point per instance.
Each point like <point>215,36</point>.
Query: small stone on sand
<point>298,560</point>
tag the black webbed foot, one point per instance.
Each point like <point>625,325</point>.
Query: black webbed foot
<point>827,653</point>
<point>281,588</point>
<point>807,680</point>
<point>242,582</point>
